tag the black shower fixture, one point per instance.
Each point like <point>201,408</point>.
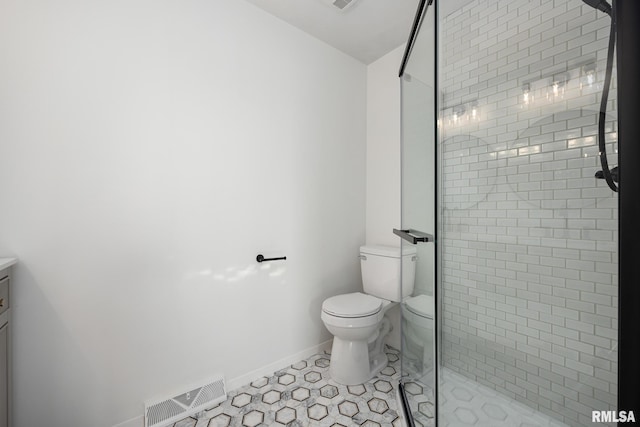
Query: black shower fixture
<point>601,5</point>
<point>614,174</point>
<point>606,173</point>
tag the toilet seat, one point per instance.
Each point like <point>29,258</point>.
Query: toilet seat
<point>352,305</point>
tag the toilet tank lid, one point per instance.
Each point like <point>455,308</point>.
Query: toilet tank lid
<point>388,251</point>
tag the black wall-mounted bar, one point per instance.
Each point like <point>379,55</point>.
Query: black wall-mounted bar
<point>261,258</point>
<point>628,30</point>
<point>422,9</point>
<point>413,236</point>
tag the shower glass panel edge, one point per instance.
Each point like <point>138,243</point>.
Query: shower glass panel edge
<point>418,385</point>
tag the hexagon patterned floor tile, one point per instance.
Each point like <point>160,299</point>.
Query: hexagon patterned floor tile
<point>271,397</point>
<point>329,391</point>
<point>348,409</point>
<point>357,390</point>
<point>382,385</point>
<point>378,406</point>
<point>241,400</point>
<point>304,394</point>
<point>301,393</point>
<point>252,419</point>
<point>313,376</point>
<point>317,412</point>
<point>220,420</point>
<point>285,415</point>
<point>286,379</point>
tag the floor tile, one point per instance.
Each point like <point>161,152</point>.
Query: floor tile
<point>305,395</point>
<point>466,403</point>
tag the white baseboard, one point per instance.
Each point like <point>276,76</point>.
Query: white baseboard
<point>276,366</point>
<point>253,375</point>
<point>133,422</point>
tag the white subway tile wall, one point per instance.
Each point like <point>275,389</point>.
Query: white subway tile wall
<point>529,236</point>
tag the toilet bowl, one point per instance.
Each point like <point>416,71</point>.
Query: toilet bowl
<point>357,320</point>
<point>359,327</point>
<point>417,324</point>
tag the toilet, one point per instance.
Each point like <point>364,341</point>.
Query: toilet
<point>417,329</point>
<point>357,320</point>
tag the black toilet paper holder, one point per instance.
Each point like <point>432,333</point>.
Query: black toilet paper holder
<point>261,258</point>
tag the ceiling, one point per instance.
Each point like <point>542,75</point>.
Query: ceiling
<point>366,30</point>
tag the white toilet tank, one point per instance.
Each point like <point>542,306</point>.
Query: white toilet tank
<point>381,271</point>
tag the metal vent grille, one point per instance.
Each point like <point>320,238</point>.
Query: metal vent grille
<point>165,412</point>
<point>343,4</point>
<point>210,393</point>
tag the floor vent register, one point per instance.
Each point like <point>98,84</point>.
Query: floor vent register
<point>166,411</point>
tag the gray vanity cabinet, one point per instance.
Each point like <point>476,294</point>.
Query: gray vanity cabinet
<point>5,353</point>
<point>4,376</point>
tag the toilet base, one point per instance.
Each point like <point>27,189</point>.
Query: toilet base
<point>356,362</point>
<point>378,364</point>
<point>349,362</point>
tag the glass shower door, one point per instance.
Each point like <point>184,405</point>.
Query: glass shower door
<point>514,315</point>
<point>419,376</point>
<point>528,235</point>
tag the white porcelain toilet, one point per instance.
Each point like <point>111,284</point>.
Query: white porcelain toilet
<point>417,329</point>
<point>357,320</point>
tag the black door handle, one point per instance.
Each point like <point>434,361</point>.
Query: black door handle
<point>413,236</point>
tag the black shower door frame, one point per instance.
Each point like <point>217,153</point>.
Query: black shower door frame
<point>628,58</point>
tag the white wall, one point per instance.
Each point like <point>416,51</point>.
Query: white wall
<point>149,150</point>
<point>383,148</point>
<point>383,159</point>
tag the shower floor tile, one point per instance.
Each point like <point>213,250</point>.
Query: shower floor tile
<point>303,394</point>
<point>464,402</point>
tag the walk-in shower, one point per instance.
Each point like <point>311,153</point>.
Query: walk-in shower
<point>511,111</point>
